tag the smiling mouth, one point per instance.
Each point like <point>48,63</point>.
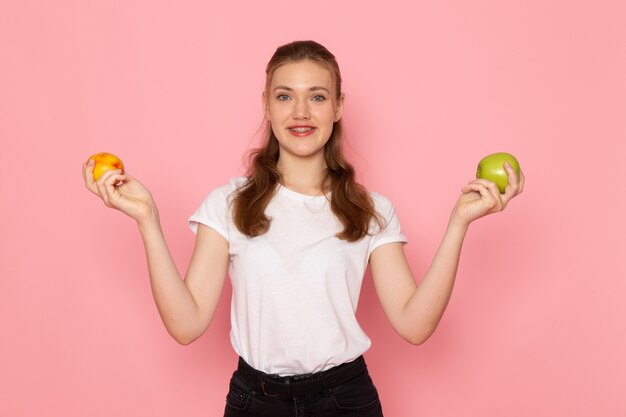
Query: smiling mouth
<point>301,129</point>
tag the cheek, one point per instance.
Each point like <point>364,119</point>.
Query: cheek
<point>327,115</point>
<point>277,113</point>
<point>275,130</point>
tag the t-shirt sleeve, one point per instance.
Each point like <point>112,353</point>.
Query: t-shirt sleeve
<point>390,230</point>
<point>214,213</point>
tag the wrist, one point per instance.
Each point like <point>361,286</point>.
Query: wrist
<point>458,223</point>
<point>149,220</point>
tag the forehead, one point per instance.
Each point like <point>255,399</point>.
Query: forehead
<point>303,74</point>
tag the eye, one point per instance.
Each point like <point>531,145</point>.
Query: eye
<point>282,97</point>
<point>318,98</point>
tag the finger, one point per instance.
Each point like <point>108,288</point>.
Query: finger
<point>88,176</point>
<point>486,195</point>
<point>128,177</point>
<point>515,187</point>
<point>491,195</point>
<point>513,178</point>
<point>110,187</point>
<point>113,178</point>
<point>496,196</point>
<point>477,187</point>
<point>512,187</point>
<point>483,182</point>
<point>522,180</point>
<point>101,185</point>
<point>483,193</point>
<point>491,186</point>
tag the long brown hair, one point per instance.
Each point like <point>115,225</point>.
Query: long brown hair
<point>349,200</point>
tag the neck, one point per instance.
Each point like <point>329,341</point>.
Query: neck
<point>302,175</point>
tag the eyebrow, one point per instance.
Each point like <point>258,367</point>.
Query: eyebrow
<point>315,88</point>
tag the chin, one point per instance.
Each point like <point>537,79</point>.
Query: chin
<point>303,151</point>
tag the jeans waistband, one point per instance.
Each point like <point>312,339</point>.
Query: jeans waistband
<point>273,385</point>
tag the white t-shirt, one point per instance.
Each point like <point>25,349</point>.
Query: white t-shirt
<point>296,287</point>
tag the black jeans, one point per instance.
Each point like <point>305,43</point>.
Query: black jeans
<point>352,395</point>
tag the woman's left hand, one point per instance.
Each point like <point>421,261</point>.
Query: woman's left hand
<point>482,197</point>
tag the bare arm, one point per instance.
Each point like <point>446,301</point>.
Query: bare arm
<point>415,310</point>
<point>186,306</point>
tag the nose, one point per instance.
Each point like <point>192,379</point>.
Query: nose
<point>301,110</point>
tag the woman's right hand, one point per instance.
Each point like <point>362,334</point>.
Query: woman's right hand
<point>121,191</point>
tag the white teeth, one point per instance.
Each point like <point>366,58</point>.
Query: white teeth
<point>301,129</point>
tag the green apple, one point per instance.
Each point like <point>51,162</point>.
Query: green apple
<point>491,168</point>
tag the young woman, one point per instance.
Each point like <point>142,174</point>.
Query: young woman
<point>295,237</point>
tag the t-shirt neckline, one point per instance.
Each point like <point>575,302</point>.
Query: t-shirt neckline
<point>299,196</point>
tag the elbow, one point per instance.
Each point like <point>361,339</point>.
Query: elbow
<point>417,340</point>
<point>185,338</point>
<point>184,341</point>
<point>186,333</point>
<point>418,337</point>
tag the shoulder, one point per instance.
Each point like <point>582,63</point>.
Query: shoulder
<point>388,230</point>
<point>223,195</point>
<point>214,211</point>
<point>385,209</point>
<point>230,188</point>
<point>233,184</point>
<point>381,203</point>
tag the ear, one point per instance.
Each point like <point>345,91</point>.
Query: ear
<point>339,109</point>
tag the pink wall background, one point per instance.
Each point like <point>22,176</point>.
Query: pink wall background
<point>536,325</point>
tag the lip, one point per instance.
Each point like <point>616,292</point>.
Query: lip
<point>301,134</point>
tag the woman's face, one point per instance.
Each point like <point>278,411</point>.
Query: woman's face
<point>301,106</point>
